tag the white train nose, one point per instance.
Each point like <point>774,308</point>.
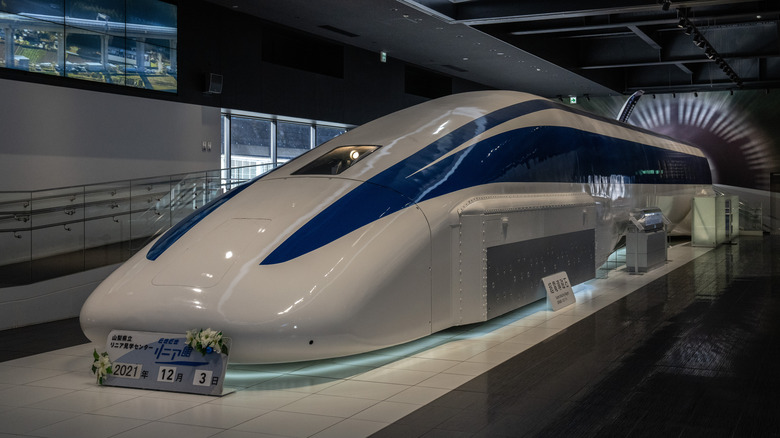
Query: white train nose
<point>204,263</point>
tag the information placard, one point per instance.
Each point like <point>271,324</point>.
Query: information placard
<point>559,292</point>
<point>164,362</point>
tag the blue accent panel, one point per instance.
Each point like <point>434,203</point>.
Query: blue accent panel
<point>533,154</point>
<point>363,205</point>
<point>367,203</point>
<point>178,230</point>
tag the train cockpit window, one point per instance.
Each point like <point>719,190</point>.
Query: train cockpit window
<point>336,161</point>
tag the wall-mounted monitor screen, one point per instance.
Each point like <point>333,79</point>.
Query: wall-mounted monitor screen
<point>123,42</point>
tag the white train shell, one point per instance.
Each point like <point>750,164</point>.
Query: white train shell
<point>449,212</point>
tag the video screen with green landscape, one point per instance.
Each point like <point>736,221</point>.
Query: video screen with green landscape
<point>123,42</point>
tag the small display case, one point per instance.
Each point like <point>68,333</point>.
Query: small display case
<point>648,220</point>
<point>645,239</point>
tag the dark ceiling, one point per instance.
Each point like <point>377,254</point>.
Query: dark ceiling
<point>557,47</point>
<point>628,45</point>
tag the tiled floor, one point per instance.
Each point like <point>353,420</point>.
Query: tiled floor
<point>616,363</point>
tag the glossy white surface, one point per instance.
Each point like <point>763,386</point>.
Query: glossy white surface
<point>55,395</point>
<point>383,283</point>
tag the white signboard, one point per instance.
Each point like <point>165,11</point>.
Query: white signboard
<point>559,293</point>
<point>164,362</point>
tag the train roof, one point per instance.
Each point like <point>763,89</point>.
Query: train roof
<point>453,123</point>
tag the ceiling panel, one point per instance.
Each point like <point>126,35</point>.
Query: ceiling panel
<point>556,47</point>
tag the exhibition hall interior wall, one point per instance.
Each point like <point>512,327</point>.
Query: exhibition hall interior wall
<point>61,131</point>
<point>59,136</point>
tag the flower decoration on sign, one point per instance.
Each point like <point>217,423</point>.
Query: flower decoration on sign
<point>102,366</point>
<point>206,341</point>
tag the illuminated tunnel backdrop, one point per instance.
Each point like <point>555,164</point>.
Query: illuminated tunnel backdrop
<point>738,133</point>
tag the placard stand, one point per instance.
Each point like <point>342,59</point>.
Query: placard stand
<point>164,362</point>
<point>559,291</point>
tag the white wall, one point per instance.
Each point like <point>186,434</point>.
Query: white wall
<point>57,136</point>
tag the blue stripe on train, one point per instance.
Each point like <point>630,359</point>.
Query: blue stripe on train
<point>438,148</point>
<point>551,154</point>
<point>175,232</point>
<point>533,154</point>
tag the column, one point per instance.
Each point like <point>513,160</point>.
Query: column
<point>9,46</point>
<point>173,51</point>
<point>140,49</point>
<point>104,51</point>
<point>61,52</point>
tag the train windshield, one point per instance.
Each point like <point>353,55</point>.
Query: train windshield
<point>336,161</point>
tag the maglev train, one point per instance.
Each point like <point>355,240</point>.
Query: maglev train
<point>446,213</point>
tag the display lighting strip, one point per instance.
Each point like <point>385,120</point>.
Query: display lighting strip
<point>698,39</point>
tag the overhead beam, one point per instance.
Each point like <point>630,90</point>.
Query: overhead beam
<point>697,60</point>
<point>640,23</point>
<point>644,37</point>
<point>682,67</point>
<point>498,12</point>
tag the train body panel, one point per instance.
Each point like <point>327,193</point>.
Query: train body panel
<point>442,214</point>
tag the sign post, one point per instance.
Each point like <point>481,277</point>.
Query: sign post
<point>559,292</point>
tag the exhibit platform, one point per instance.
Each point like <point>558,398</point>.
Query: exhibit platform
<point>689,348</point>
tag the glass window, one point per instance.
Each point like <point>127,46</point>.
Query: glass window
<point>292,139</point>
<point>250,140</point>
<point>336,161</point>
<point>325,133</point>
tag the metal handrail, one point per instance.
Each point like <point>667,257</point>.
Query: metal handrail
<point>99,216</point>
